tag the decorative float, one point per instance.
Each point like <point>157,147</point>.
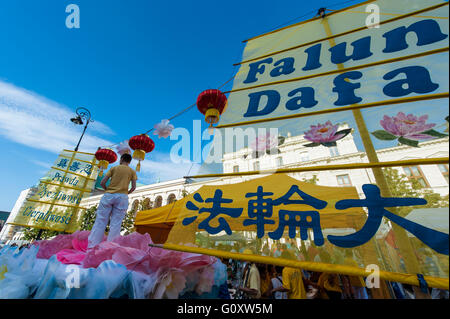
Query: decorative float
<point>127,267</point>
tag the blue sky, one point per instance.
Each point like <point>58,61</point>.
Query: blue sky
<point>132,64</point>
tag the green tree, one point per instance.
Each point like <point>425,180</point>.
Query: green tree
<point>128,222</point>
<point>401,186</point>
<point>312,180</point>
<point>89,218</point>
<point>32,234</point>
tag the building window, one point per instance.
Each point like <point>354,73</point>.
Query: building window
<point>158,202</point>
<point>415,173</point>
<point>256,166</point>
<point>334,151</point>
<point>279,161</point>
<point>444,170</point>
<point>235,168</point>
<point>344,180</point>
<point>171,199</point>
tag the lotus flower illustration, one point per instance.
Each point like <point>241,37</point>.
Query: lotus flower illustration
<point>325,134</point>
<point>266,143</point>
<point>407,129</point>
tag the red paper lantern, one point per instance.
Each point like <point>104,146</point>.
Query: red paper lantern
<point>211,103</point>
<point>141,144</point>
<point>105,156</point>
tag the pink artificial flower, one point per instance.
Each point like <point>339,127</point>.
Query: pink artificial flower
<point>75,255</point>
<point>323,133</point>
<point>206,280</point>
<point>407,126</point>
<point>176,285</point>
<point>163,129</point>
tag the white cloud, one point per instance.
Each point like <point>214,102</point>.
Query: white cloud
<point>37,122</point>
<point>41,163</point>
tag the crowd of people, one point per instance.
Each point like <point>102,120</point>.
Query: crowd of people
<point>262,281</point>
<point>248,280</point>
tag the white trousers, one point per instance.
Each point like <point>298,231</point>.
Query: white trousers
<point>112,208</point>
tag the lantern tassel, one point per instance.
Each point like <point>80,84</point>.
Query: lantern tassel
<point>138,167</point>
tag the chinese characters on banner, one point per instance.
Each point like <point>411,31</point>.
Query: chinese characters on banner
<point>55,205</point>
<point>260,213</point>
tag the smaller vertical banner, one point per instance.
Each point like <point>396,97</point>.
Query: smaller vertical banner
<point>55,205</point>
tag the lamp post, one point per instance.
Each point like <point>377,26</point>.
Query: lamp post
<point>82,114</point>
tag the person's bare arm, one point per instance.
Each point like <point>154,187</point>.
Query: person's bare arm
<point>103,182</point>
<point>133,186</point>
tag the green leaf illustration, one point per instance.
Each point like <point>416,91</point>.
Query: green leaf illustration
<point>384,136</point>
<point>312,144</point>
<point>409,142</point>
<point>434,133</point>
<point>344,133</point>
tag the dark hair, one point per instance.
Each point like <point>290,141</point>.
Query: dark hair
<point>126,158</point>
<point>279,269</point>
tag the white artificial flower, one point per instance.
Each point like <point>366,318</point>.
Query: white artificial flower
<point>123,148</point>
<point>163,129</point>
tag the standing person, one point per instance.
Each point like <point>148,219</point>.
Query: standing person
<point>265,279</point>
<point>329,284</point>
<point>292,283</point>
<point>275,283</point>
<point>114,203</point>
<point>356,283</point>
<point>252,282</point>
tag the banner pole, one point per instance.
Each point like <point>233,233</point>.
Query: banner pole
<point>411,279</point>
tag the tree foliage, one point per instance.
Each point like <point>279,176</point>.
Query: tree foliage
<point>401,186</point>
<point>32,233</point>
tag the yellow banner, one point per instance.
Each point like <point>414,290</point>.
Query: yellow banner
<point>55,204</point>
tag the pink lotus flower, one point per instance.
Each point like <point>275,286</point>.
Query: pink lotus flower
<point>264,142</point>
<point>323,133</point>
<point>407,126</point>
<point>163,129</point>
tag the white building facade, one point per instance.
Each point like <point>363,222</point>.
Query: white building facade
<point>11,234</point>
<point>293,153</point>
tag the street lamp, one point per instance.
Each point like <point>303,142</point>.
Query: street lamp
<point>82,114</point>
